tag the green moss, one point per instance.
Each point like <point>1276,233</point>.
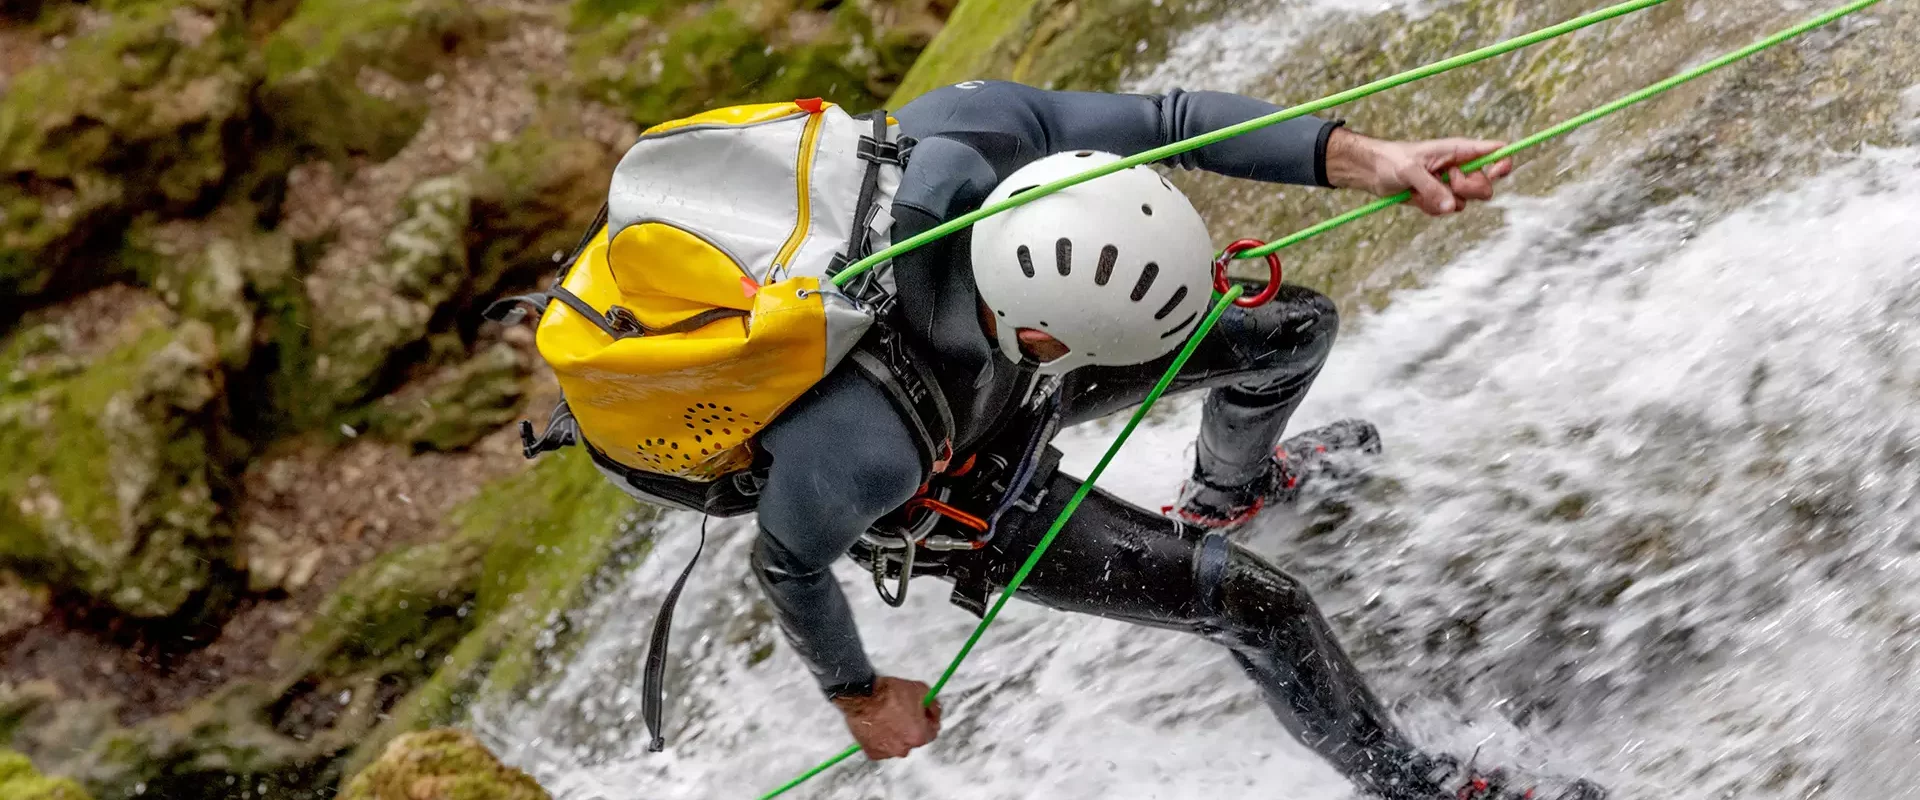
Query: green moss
<point>405,37</point>
<point>389,304</point>
<point>390,612</point>
<point>660,63</point>
<point>533,196</point>
<point>452,763</point>
<point>314,61</point>
<point>974,44</point>
<point>132,115</point>
<point>548,532</point>
<point>107,485</point>
<point>454,407</point>
<point>19,781</point>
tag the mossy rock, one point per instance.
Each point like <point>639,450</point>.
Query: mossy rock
<point>441,764</point>
<point>533,197</point>
<point>660,61</point>
<point>314,64</point>
<point>110,483</point>
<point>379,634</point>
<point>454,407</point>
<point>405,643</point>
<point>221,279</point>
<point>552,533</point>
<point>19,781</point>
<point>135,115</point>
<point>372,315</point>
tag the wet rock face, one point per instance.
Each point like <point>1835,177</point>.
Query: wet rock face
<point>364,319</point>
<point>454,407</point>
<point>347,78</point>
<point>441,765</point>
<point>137,113</point>
<point>109,488</point>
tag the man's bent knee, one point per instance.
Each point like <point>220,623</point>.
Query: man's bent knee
<point>1241,589</point>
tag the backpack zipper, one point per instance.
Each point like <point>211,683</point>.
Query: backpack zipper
<point>804,174</point>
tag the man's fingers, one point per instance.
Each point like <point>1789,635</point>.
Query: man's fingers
<point>1429,194</point>
<point>1454,152</point>
<point>1475,186</point>
<point>1500,169</point>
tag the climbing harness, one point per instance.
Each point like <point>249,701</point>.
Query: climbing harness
<point>1231,293</point>
<point>943,517</point>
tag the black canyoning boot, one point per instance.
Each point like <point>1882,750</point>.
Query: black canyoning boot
<point>1443,778</point>
<point>1309,457</point>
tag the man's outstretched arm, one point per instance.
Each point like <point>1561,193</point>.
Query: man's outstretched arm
<point>842,457</point>
<point>1010,124</point>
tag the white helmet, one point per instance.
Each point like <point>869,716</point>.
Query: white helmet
<point>1117,269</point>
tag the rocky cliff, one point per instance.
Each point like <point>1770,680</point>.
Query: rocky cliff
<point>263,508</point>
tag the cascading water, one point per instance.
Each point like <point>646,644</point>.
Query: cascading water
<point>1650,512</point>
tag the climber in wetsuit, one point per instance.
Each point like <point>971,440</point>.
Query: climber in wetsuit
<point>843,457</point>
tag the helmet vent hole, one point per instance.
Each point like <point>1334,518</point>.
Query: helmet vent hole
<point>1147,275</point>
<point>1173,302</point>
<point>1023,190</point>
<point>1063,255</point>
<point>1166,183</point>
<point>1182,326</point>
<point>1104,271</point>
<point>1146,209</point>
<point>1026,260</point>
<point>1001,313</point>
<point>1043,323</point>
<point>1083,154</point>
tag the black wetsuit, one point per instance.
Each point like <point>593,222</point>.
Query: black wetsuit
<point>842,458</point>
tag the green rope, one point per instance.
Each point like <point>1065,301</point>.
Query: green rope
<point>1212,137</point>
<point>1570,125</point>
<point>1059,524</point>
<point>1225,301</point>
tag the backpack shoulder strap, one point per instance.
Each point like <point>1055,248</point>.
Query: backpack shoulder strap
<point>902,374</point>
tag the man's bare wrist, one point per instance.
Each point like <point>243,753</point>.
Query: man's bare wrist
<point>1349,160</point>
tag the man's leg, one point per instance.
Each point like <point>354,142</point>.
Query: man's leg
<point>1117,561</point>
<point>1258,364</point>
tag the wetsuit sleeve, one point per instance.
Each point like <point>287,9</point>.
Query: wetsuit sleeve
<point>842,457</point>
<point>1290,152</point>
<point>1012,124</point>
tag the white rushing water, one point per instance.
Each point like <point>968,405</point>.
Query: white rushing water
<point>1651,491</point>
<point>1650,511</point>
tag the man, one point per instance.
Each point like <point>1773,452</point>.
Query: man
<point>843,458</point>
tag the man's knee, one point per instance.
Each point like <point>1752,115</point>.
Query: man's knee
<point>1243,590</point>
<point>1297,328</point>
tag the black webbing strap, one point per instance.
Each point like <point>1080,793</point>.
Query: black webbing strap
<point>652,684</point>
<point>562,431</point>
<point>617,323</point>
<point>877,152</point>
<point>905,379</point>
<point>581,246</point>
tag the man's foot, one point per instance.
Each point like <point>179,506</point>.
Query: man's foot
<point>1443,778</point>
<point>1300,459</point>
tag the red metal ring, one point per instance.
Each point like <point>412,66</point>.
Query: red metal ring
<point>1273,274</point>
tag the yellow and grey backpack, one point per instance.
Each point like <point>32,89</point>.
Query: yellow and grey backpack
<point>699,305</point>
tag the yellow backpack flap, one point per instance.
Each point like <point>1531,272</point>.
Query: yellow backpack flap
<point>702,308</point>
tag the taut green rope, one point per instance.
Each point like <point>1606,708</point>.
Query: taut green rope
<point>1234,292</point>
<point>1194,143</point>
<point>1570,125</point>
